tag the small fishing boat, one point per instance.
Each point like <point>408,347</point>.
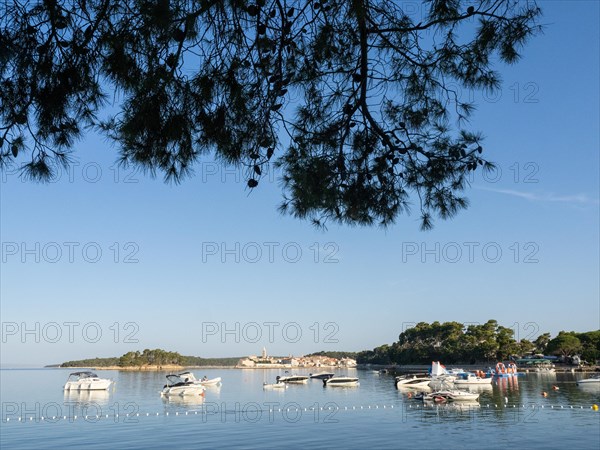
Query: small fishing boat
<point>341,381</point>
<point>177,385</point>
<point>294,379</point>
<point>86,381</point>
<point>210,382</point>
<point>321,375</point>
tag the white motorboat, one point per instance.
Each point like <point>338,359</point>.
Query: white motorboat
<point>274,385</point>
<point>179,386</point>
<point>414,381</point>
<point>451,396</point>
<point>341,381</point>
<point>469,379</point>
<point>322,375</point>
<point>86,381</point>
<point>294,379</point>
<point>593,380</point>
<point>189,376</point>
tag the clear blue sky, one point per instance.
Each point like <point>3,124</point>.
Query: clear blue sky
<point>541,212</point>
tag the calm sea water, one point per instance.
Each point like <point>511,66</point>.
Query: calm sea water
<point>511,413</point>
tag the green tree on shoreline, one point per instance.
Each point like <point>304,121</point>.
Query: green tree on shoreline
<point>572,343</point>
<point>452,342</point>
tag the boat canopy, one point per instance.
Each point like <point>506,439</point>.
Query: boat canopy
<point>174,377</point>
<point>84,374</point>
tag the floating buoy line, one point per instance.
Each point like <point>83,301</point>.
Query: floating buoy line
<point>255,414</point>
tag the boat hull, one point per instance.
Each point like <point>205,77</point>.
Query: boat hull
<point>83,385</point>
<point>473,382</point>
<point>412,382</point>
<point>183,390</point>
<point>589,382</point>
<point>293,380</point>
<point>322,376</point>
<point>451,396</point>
<point>342,382</point>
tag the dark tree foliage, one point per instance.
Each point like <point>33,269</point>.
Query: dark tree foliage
<point>353,97</point>
<point>450,342</point>
<point>569,343</point>
<point>334,354</point>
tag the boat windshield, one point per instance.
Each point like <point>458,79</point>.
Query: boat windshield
<point>174,379</point>
<point>83,375</point>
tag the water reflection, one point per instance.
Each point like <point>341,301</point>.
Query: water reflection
<point>589,388</point>
<point>183,400</point>
<point>84,397</point>
<point>447,412</point>
<point>508,384</point>
<point>543,374</point>
<point>481,388</point>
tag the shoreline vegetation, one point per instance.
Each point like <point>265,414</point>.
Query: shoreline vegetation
<point>169,367</point>
<point>481,344</point>
<point>450,342</point>
<point>156,359</point>
<point>159,359</point>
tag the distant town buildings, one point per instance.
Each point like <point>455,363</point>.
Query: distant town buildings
<point>265,361</point>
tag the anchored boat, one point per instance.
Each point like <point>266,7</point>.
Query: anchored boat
<point>407,381</point>
<point>86,381</point>
<point>341,381</point>
<point>322,375</point>
<point>469,379</point>
<point>189,376</point>
<point>294,379</point>
<point>181,386</point>
<point>593,380</point>
<point>450,396</point>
